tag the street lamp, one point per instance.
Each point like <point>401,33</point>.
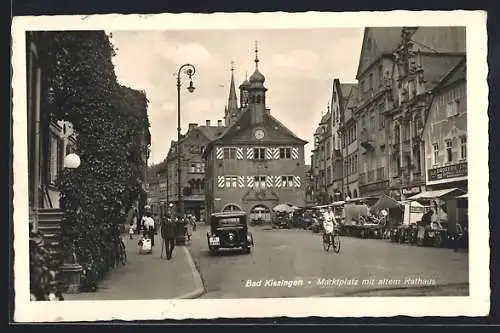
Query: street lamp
<point>188,70</point>
<point>70,268</point>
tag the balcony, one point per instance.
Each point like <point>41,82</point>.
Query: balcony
<point>365,139</point>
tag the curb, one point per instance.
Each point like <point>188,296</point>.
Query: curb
<point>200,289</point>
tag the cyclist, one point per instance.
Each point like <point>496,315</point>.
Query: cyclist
<point>329,223</point>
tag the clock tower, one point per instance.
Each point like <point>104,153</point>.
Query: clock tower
<point>257,93</point>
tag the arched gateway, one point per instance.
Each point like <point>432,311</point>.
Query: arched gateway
<point>260,213</point>
<point>231,208</point>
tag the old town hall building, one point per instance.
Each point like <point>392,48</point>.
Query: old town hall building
<point>257,162</point>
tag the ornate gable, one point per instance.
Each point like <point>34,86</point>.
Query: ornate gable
<point>377,41</point>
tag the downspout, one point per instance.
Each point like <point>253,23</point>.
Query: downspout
<point>37,157</point>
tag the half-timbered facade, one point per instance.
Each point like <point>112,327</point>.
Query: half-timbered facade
<point>257,162</point>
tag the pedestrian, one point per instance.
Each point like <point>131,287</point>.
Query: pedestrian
<point>131,230</point>
<point>168,232</point>
<point>193,220</point>
<point>149,228</point>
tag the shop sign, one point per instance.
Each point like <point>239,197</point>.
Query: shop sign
<point>380,186</point>
<point>447,172</point>
<point>411,190</point>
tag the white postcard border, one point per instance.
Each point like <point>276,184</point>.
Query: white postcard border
<point>477,103</point>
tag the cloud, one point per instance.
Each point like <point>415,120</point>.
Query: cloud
<point>299,66</point>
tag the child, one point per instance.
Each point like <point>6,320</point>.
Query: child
<point>131,230</point>
<point>144,245</point>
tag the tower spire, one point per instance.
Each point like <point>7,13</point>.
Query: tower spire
<point>256,55</point>
<point>232,100</point>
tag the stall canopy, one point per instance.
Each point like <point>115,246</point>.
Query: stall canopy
<point>385,202</point>
<point>284,208</point>
<point>438,194</point>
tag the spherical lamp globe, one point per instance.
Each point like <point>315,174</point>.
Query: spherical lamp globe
<point>72,161</point>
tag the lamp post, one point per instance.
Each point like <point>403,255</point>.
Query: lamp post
<point>188,70</point>
<point>71,269</point>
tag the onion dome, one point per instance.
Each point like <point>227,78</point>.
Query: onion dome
<point>257,77</point>
<point>245,84</point>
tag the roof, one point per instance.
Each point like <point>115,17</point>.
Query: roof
<point>350,101</point>
<point>212,132</point>
<point>437,66</point>
<point>440,39</point>
<point>385,41</point>
<point>455,74</point>
<point>438,194</point>
<point>345,88</point>
<point>243,121</point>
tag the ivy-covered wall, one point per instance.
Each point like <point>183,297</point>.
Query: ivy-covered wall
<point>111,122</point>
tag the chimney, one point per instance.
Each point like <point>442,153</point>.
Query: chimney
<point>192,125</point>
<point>219,123</point>
<point>208,122</point>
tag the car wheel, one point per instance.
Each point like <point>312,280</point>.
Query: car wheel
<point>212,250</point>
<point>247,250</point>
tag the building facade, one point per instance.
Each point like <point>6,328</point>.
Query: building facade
<point>49,141</point>
<point>192,170</point>
<point>320,160</point>
<point>256,163</point>
<point>349,144</point>
<point>424,55</point>
<point>445,133</point>
<point>374,99</point>
<point>341,93</point>
<point>327,157</point>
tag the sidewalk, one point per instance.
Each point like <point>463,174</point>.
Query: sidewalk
<point>148,277</point>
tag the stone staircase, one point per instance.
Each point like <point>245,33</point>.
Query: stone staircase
<point>49,225</point>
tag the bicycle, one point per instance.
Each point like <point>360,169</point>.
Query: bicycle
<point>332,240</point>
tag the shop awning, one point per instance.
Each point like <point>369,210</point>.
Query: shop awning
<point>385,202</point>
<point>463,196</point>
<point>438,194</point>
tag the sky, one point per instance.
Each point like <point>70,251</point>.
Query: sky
<point>299,66</point>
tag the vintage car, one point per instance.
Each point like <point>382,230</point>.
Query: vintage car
<point>229,230</point>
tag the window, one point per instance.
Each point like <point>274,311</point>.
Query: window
<point>452,108</point>
<point>463,147</point>
<point>259,181</point>
<point>231,181</point>
<point>285,153</point>
<point>371,176</point>
<point>229,153</point>
<point>355,163</point>
<point>397,134</point>
<point>55,157</point>
<point>449,152</point>
<point>435,150</point>
<point>286,181</point>
<point>381,118</point>
<point>380,173</point>
<point>197,167</point>
<point>257,99</point>
<point>259,153</point>
<point>418,126</point>
<point>380,75</point>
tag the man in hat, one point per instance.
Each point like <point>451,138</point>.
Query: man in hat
<point>168,235</point>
